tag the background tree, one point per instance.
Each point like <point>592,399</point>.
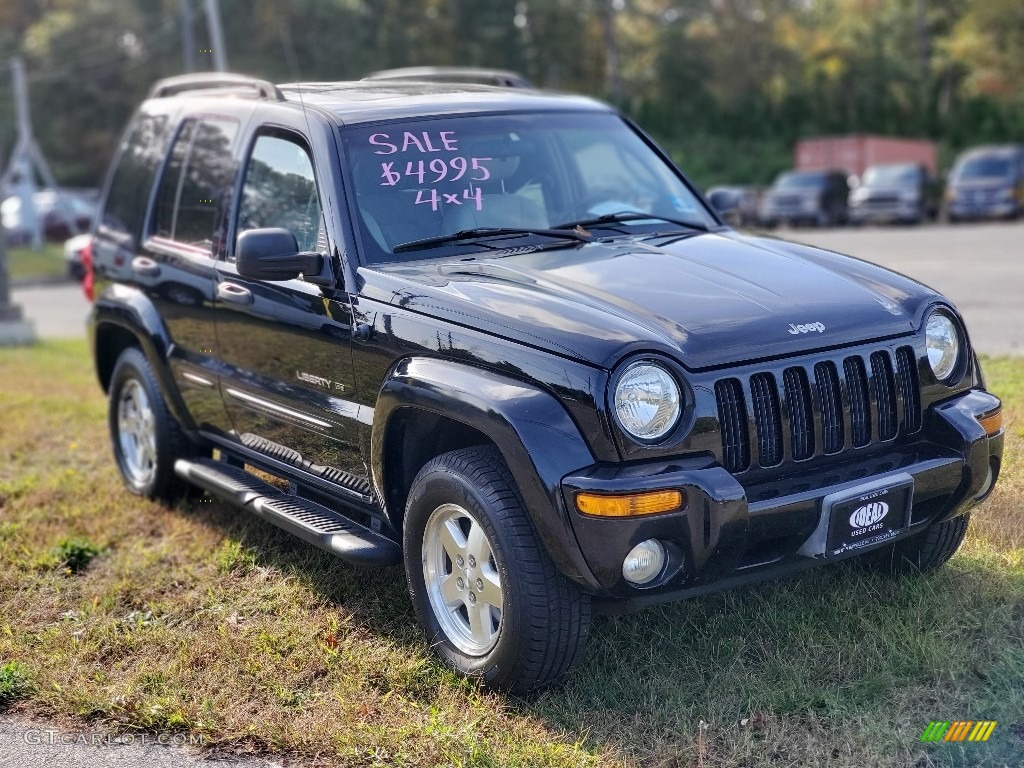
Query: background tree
<point>726,85</point>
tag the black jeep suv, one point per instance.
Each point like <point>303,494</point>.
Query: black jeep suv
<point>496,335</point>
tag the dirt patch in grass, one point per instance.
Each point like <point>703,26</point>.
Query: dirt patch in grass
<point>202,619</point>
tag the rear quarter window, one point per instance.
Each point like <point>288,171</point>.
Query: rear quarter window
<point>196,183</point>
<point>134,172</point>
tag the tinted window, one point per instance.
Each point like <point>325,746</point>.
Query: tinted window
<point>142,150</point>
<point>198,175</point>
<point>170,185</point>
<point>280,191</point>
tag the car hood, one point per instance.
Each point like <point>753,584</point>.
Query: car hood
<point>707,300</point>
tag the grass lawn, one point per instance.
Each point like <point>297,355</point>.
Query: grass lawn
<point>23,263</point>
<point>122,614</point>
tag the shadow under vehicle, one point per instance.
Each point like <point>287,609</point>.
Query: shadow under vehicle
<point>986,183</point>
<point>817,198</point>
<point>903,193</point>
<point>495,335</point>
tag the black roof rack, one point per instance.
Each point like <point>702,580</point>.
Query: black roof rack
<point>477,75</point>
<point>171,86</point>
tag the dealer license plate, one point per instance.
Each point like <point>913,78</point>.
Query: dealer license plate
<point>867,516</point>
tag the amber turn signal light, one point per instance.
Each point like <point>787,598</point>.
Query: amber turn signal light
<point>991,422</point>
<point>628,505</point>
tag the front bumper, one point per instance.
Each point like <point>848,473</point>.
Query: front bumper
<point>721,538</point>
<point>791,212</point>
<point>1003,209</point>
<point>878,211</point>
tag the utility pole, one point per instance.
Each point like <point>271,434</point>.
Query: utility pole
<point>924,53</point>
<point>613,76</point>
<point>14,329</point>
<point>19,178</point>
<point>220,54</point>
<point>188,37</point>
<point>924,49</point>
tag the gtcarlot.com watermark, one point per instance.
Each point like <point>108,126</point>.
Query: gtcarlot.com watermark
<point>56,737</point>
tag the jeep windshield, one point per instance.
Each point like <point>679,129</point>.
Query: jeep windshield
<point>423,187</point>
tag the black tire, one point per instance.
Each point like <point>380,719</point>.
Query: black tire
<point>544,619</point>
<point>153,477</point>
<point>924,551</point>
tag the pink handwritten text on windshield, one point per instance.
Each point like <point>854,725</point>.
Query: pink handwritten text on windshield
<point>426,172</point>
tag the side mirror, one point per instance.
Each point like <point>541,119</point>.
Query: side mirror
<point>273,254</point>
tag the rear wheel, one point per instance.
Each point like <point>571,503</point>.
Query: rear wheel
<point>924,551</point>
<point>485,591</point>
<point>146,438</point>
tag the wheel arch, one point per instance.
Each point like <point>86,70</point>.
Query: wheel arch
<point>429,406</point>
<point>122,317</point>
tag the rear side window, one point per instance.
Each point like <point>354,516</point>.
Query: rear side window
<point>199,174</point>
<point>142,150</point>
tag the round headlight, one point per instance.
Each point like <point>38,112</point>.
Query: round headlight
<point>647,401</point>
<point>943,340</point>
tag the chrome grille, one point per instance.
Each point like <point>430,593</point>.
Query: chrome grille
<point>831,398</point>
<point>885,394</point>
<point>860,402</point>
<point>801,418</point>
<point>906,368</point>
<point>732,415</point>
<point>835,405</point>
<point>767,415</point>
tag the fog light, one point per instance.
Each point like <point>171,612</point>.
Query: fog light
<point>644,562</point>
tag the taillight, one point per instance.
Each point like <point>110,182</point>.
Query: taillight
<point>89,281</point>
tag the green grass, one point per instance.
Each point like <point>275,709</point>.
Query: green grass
<point>14,682</point>
<point>202,619</point>
<point>23,263</point>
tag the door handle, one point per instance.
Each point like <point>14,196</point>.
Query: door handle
<point>234,293</point>
<point>143,265</point>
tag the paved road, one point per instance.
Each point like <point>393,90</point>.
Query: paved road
<point>57,311</point>
<point>979,266</point>
<point>31,744</point>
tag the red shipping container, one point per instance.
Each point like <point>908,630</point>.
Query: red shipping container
<point>856,152</point>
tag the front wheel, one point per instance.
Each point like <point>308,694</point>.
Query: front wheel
<point>924,551</point>
<point>485,591</point>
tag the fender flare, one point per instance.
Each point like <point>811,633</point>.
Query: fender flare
<point>531,429</point>
<point>131,310</point>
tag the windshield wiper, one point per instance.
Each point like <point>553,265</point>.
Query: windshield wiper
<point>624,216</point>
<point>482,232</point>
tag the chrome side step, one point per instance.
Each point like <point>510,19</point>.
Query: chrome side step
<point>311,522</point>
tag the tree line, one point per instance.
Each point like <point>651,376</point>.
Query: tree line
<point>726,85</point>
